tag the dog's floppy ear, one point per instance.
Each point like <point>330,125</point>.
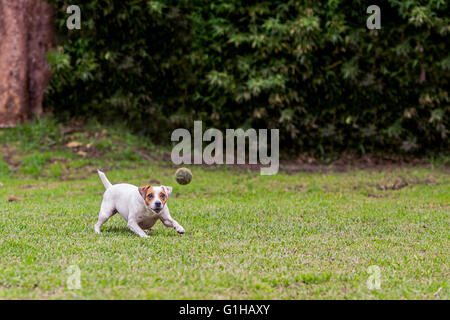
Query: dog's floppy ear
<point>143,191</point>
<point>168,190</point>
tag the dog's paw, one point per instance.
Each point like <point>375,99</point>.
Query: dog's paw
<point>180,230</point>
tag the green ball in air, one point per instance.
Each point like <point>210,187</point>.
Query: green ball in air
<point>183,176</point>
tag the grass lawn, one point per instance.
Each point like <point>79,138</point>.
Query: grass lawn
<point>288,236</point>
<point>302,236</point>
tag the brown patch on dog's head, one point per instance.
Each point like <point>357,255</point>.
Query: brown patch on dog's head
<point>163,196</point>
<point>167,191</point>
<point>147,194</point>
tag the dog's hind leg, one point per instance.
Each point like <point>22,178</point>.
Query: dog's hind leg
<point>106,212</point>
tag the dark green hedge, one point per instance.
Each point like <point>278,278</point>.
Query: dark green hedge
<point>310,68</point>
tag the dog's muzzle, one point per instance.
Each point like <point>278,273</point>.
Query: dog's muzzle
<point>157,206</point>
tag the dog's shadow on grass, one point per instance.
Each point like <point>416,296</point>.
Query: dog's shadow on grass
<point>125,231</point>
<point>116,230</point>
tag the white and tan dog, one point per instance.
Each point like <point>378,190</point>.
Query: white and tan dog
<point>140,207</point>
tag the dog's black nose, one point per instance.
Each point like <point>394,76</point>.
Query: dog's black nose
<point>158,204</point>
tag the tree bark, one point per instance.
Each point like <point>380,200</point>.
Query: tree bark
<point>26,34</point>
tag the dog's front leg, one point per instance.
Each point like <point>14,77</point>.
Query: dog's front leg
<point>169,222</point>
<point>133,225</point>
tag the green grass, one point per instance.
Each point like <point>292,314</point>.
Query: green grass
<point>5,170</point>
<point>288,236</point>
<point>302,236</point>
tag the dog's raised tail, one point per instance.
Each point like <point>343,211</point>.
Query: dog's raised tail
<point>104,179</point>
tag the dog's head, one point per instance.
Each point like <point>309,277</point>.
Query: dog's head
<point>155,197</point>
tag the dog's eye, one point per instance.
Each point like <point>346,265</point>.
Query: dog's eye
<point>150,196</point>
<point>163,196</point>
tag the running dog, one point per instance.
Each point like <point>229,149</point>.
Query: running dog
<point>141,207</point>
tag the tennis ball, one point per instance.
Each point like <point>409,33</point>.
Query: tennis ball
<point>183,176</point>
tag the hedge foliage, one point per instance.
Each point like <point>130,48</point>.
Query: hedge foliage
<point>310,68</point>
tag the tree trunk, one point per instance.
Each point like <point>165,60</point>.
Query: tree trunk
<point>26,34</point>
